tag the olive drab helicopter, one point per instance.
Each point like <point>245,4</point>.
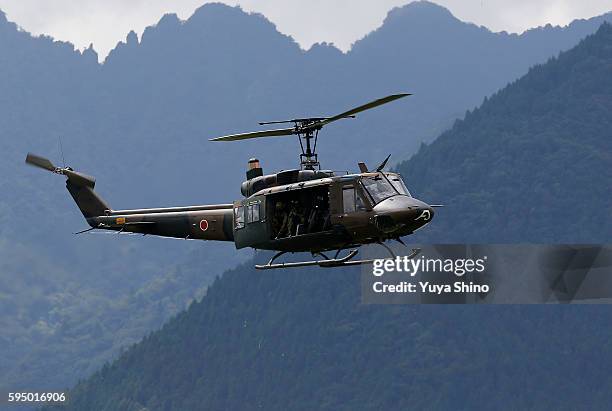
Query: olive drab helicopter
<point>302,210</point>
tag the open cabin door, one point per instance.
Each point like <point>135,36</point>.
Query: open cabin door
<point>299,212</point>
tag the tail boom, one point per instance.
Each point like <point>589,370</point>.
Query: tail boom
<point>213,222</point>
<point>203,222</point>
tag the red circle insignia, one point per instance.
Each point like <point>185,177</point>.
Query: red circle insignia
<point>204,225</point>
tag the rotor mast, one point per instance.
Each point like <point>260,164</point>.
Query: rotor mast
<point>308,157</point>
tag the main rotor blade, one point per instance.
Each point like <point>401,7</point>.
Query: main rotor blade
<point>38,161</point>
<point>364,107</point>
<point>297,120</point>
<point>263,123</point>
<point>317,122</point>
<point>294,120</point>
<point>255,134</point>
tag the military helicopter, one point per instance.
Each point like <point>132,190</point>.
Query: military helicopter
<point>300,210</point>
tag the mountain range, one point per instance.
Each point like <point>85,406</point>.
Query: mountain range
<point>533,163</point>
<point>303,339</point>
<point>140,121</point>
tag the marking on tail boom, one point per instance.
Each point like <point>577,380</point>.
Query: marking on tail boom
<point>204,225</point>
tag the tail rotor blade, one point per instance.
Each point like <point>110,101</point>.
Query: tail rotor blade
<point>41,162</point>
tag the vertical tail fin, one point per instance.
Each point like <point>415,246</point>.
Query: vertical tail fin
<point>88,201</point>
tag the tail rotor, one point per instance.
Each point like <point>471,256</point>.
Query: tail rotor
<point>79,185</point>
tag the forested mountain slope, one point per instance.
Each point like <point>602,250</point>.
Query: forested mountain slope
<point>301,339</point>
<point>140,123</point>
<point>533,163</point>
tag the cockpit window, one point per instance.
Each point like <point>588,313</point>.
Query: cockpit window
<point>398,184</point>
<point>378,187</point>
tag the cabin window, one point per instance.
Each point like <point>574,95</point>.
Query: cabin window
<point>253,212</point>
<point>348,199</point>
<point>239,217</point>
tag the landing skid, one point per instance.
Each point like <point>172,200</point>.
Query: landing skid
<point>326,262</point>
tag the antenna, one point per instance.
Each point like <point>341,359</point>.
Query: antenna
<point>59,138</point>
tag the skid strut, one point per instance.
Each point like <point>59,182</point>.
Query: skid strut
<point>347,260</point>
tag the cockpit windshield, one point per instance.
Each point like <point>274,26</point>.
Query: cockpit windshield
<point>378,187</point>
<point>398,184</point>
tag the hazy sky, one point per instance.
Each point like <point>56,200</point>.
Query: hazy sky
<point>105,22</point>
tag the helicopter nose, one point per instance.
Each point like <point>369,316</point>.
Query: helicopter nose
<point>402,212</point>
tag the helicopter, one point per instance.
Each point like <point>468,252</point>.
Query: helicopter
<point>298,210</point>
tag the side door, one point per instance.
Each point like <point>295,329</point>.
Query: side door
<point>250,228</point>
<point>356,208</point>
